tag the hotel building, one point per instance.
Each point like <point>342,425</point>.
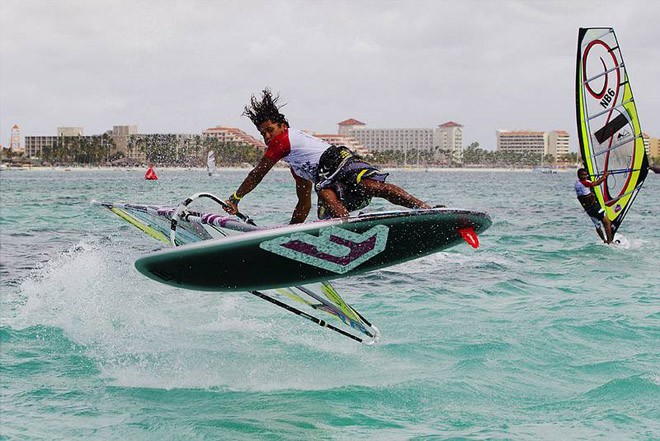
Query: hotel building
<point>652,146</point>
<point>555,143</point>
<point>447,137</point>
<point>344,140</point>
<point>558,143</point>
<point>34,145</point>
<point>231,134</point>
<point>134,145</point>
<point>122,135</point>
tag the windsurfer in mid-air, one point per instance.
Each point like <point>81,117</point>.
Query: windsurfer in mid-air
<point>342,180</point>
<point>585,194</point>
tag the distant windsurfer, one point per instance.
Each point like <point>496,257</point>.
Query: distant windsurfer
<point>342,180</point>
<point>585,194</point>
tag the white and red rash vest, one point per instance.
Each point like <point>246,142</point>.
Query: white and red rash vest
<point>585,194</point>
<point>583,187</point>
<point>298,149</point>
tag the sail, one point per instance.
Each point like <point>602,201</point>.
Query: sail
<point>323,297</point>
<point>608,125</point>
<point>210,163</point>
<point>156,221</point>
<point>193,226</point>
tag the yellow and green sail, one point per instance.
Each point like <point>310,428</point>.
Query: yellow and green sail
<point>609,131</point>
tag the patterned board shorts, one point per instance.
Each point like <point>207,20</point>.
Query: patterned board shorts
<point>596,214</point>
<point>342,170</point>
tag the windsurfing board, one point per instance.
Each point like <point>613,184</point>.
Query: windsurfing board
<point>312,252</point>
<point>620,241</point>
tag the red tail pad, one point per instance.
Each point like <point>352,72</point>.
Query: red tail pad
<point>469,236</point>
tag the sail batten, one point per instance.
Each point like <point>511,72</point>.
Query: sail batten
<point>614,147</point>
<point>609,130</point>
<point>596,115</point>
<point>612,201</point>
<point>602,74</point>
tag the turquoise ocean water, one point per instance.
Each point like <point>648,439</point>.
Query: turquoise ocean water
<point>542,333</point>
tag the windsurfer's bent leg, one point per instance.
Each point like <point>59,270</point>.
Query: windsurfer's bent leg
<point>392,193</point>
<point>608,229</point>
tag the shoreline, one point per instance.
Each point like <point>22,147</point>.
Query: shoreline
<point>219,169</point>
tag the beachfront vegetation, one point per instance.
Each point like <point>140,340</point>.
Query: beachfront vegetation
<point>92,150</point>
<point>176,151</point>
<point>475,156</point>
<point>173,151</point>
<point>163,150</point>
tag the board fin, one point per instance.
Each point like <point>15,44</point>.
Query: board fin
<point>469,236</point>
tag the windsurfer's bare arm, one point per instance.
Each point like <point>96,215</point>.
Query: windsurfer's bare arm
<point>250,182</point>
<point>602,178</point>
<point>304,193</point>
<point>332,203</point>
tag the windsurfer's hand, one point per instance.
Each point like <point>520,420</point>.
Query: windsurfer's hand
<point>231,204</point>
<point>230,207</point>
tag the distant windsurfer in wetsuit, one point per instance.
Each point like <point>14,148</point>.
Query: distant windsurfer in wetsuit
<point>341,179</point>
<point>585,194</point>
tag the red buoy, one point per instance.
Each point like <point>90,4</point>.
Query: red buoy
<point>151,174</point>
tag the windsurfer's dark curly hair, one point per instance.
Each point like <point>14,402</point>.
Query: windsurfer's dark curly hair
<point>264,109</point>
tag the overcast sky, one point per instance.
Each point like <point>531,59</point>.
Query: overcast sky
<point>184,66</point>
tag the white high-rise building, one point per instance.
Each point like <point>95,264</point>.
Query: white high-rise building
<point>558,143</point>
<point>449,137</point>
<point>555,143</point>
<point>446,138</point>
<point>522,141</point>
